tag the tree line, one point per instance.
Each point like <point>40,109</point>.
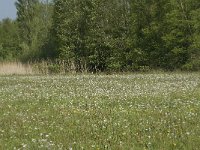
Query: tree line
<point>114,35</point>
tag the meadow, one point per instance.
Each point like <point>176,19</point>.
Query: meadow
<point>96,112</point>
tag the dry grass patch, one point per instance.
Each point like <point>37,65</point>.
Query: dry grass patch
<point>9,68</point>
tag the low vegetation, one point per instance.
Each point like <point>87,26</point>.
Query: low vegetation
<point>8,68</point>
<point>133,111</point>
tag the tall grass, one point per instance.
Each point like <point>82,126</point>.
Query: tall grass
<point>8,68</point>
<point>44,67</point>
<point>40,67</point>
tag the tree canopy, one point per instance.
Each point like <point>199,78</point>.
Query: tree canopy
<point>101,35</point>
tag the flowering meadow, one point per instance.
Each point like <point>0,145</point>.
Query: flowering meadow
<point>97,112</point>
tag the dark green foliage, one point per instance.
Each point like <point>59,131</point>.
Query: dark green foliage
<point>127,35</point>
<point>34,21</point>
<point>8,40</point>
<point>102,35</point>
<point>94,33</point>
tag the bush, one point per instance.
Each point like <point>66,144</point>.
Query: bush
<point>54,68</point>
<point>194,65</point>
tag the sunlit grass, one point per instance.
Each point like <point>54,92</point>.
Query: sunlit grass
<point>9,68</point>
<point>137,111</point>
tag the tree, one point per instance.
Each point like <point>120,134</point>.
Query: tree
<point>193,23</point>
<point>88,32</point>
<point>9,41</point>
<point>112,35</point>
<point>34,21</point>
<point>180,32</point>
<point>148,27</point>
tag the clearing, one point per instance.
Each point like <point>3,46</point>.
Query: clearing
<point>133,111</point>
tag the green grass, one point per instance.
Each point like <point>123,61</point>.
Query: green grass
<point>136,111</point>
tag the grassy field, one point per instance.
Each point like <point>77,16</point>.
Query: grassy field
<point>97,112</point>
